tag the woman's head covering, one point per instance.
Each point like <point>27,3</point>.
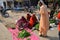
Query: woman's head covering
<point>23,19</point>
<point>28,17</point>
<point>42,1</point>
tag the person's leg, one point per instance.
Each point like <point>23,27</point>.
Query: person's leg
<point>59,35</point>
<point>40,31</point>
<point>44,33</point>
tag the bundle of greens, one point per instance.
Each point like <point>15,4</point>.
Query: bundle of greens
<point>23,34</point>
<point>52,21</point>
<point>28,39</point>
<point>37,26</point>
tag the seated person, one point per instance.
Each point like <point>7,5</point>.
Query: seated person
<point>22,23</point>
<point>33,20</point>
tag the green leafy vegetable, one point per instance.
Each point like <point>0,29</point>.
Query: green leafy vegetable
<point>28,39</point>
<point>23,34</point>
<point>37,26</point>
<point>52,21</point>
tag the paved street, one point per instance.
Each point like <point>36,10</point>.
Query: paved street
<point>4,33</point>
<point>52,34</point>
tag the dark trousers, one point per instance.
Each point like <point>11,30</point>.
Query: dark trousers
<point>59,35</point>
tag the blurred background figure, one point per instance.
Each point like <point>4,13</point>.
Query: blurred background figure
<point>58,16</point>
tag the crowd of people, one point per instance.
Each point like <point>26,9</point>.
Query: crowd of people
<point>44,23</point>
<point>30,21</point>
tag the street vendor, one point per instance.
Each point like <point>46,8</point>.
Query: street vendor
<point>44,20</point>
<point>33,20</point>
<point>22,23</point>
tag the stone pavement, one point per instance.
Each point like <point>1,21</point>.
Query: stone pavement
<point>4,33</point>
<point>52,34</point>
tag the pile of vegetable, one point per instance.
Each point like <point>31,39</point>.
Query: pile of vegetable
<point>23,34</point>
<point>37,26</point>
<point>52,21</point>
<point>28,39</point>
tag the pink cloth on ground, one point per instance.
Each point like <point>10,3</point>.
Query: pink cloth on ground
<point>14,33</point>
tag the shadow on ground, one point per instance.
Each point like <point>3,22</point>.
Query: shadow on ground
<point>52,38</point>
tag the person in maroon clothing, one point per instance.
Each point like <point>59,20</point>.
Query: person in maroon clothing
<point>22,23</point>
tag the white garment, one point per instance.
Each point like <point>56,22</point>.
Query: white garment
<point>42,1</point>
<point>1,4</point>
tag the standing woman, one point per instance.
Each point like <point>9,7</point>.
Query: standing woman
<point>44,19</point>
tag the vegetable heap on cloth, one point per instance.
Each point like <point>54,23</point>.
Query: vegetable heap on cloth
<point>15,33</point>
<point>52,21</point>
<point>23,34</point>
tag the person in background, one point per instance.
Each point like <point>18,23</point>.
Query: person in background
<point>58,17</point>
<point>31,9</point>
<point>38,6</point>
<point>51,14</point>
<point>44,20</point>
<point>38,9</point>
